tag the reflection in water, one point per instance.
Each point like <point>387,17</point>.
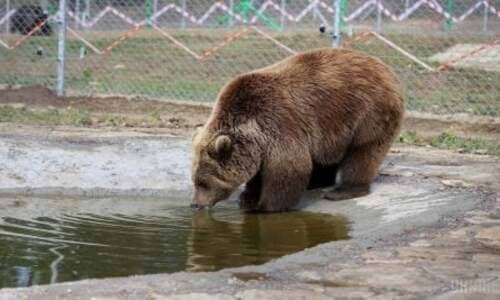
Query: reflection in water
<point>54,266</point>
<point>74,247</point>
<point>218,242</point>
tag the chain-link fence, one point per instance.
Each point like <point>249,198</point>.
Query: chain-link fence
<point>446,52</point>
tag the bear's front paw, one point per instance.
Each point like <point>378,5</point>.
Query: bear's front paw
<point>247,201</point>
<point>347,193</point>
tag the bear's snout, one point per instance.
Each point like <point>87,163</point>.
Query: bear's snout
<point>201,200</point>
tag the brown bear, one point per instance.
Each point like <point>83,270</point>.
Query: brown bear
<point>293,124</point>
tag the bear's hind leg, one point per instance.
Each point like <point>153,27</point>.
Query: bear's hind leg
<point>357,170</point>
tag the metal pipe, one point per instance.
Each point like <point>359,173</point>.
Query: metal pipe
<point>378,26</point>
<point>283,7</point>
<point>155,8</point>
<point>7,22</point>
<point>231,16</point>
<point>61,51</point>
<point>183,20</point>
<point>336,25</point>
<point>86,14</point>
<point>485,16</point>
<point>78,14</point>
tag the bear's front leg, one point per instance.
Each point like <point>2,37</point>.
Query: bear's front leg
<point>285,176</point>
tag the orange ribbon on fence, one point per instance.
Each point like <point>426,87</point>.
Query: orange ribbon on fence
<point>228,39</point>
<point>122,38</point>
<point>357,38</point>
<point>25,37</point>
<point>468,54</point>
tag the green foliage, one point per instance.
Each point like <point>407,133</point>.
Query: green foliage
<point>449,140</point>
<point>410,137</point>
<point>68,116</point>
<point>87,74</point>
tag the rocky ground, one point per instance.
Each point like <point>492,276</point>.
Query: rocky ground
<point>430,229</point>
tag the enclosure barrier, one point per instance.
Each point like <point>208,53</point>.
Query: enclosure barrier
<point>446,52</point>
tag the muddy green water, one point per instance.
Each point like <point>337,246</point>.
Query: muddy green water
<point>66,247</point>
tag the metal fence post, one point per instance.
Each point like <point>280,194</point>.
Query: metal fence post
<point>155,9</point>
<point>283,7</point>
<point>336,24</point>
<point>61,47</point>
<point>7,22</point>
<point>231,17</point>
<point>183,20</point>
<point>316,11</point>
<point>485,17</point>
<point>78,14</point>
<point>86,13</point>
<point>378,26</point>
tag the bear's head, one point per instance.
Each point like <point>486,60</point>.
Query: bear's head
<point>221,163</point>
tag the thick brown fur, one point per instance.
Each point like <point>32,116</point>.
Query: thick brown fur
<point>271,128</point>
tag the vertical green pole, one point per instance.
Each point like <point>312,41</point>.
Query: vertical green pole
<point>245,6</point>
<point>343,12</point>
<point>51,9</point>
<point>448,23</point>
<point>149,12</point>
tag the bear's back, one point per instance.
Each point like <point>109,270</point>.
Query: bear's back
<point>321,94</point>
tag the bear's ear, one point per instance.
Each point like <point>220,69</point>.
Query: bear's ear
<point>223,146</point>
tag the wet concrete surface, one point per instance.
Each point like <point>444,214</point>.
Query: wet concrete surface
<point>429,228</point>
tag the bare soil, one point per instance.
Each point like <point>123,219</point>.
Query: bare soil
<point>181,118</point>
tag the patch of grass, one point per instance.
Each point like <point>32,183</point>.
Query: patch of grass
<point>76,117</point>
<point>410,137</point>
<point>68,116</point>
<point>113,121</point>
<point>449,140</point>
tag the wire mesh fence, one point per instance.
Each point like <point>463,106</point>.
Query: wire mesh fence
<point>447,52</point>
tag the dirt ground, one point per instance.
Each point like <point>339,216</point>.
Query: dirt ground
<point>181,118</point>
<point>39,96</point>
